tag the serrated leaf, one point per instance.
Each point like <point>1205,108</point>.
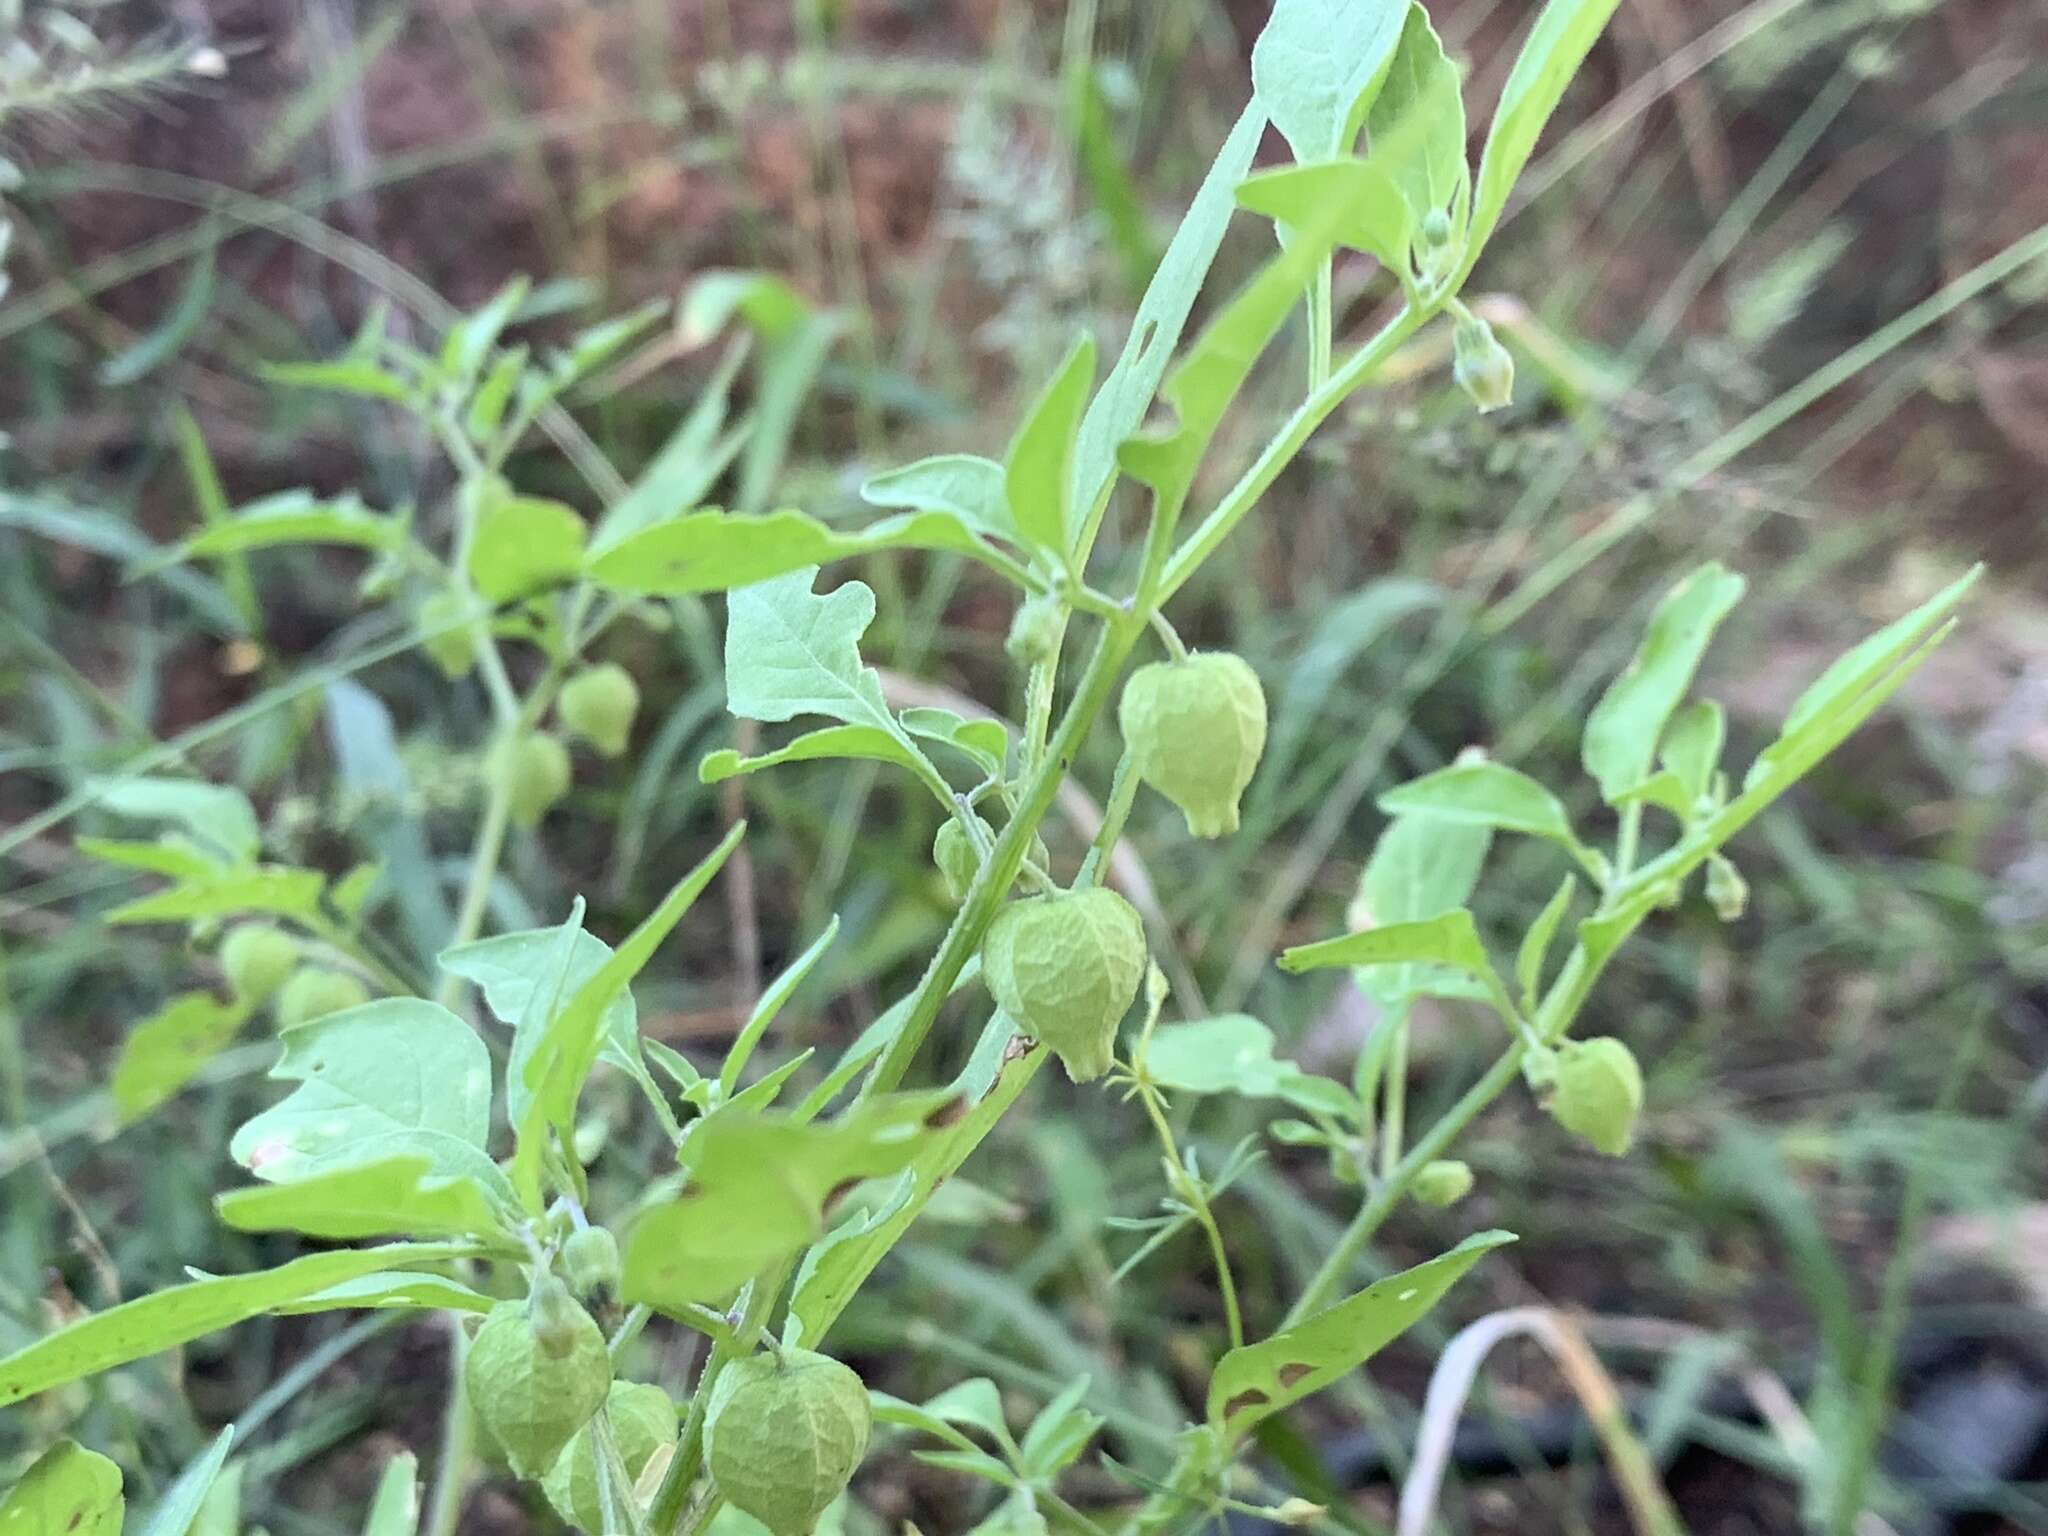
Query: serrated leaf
<point>714,551</point>
<point>1257,1380</point>
<point>181,1313</point>
<point>1318,65</point>
<point>389,1197</point>
<point>755,1191</point>
<point>1559,42</point>
<point>1416,126</point>
<point>963,485</point>
<point>790,651</point>
<point>1376,215</point>
<point>167,1050</point>
<point>522,544</point>
<point>1622,731</point>
<point>1038,469</point>
<point>400,1077</point>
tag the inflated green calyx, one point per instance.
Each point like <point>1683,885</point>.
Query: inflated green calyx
<point>1066,967</point>
<point>642,1419</point>
<point>535,773</point>
<point>959,861</point>
<point>783,1434</point>
<point>533,1397</point>
<point>1195,729</point>
<point>258,959</point>
<point>1598,1093</point>
<point>598,704</point>
<point>1443,1182</point>
<point>313,993</point>
<point>446,638</point>
<point>590,1258</point>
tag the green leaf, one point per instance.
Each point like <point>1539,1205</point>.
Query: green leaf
<point>1126,394</point>
<point>962,485</point>
<point>513,968</point>
<point>1375,215</point>
<point>393,1196</point>
<point>1485,793</point>
<point>681,474</point>
<point>68,1491</point>
<point>790,651</point>
<point>1231,1053</point>
<point>839,1264</point>
<point>166,1051</point>
<point>1536,944</point>
<point>777,993</point>
<point>1416,127</point>
<point>764,301</point>
<point>1038,470</point>
<point>165,1319</point>
<point>470,339</point>
<point>348,376</point>
<point>1449,939</point>
<point>186,1497</point>
<point>1256,1380</point>
<point>268,888</point>
<point>986,743</point>
<point>523,544</point>
<point>1663,790</point>
<point>173,855</point>
<point>297,517</point>
<point>1318,65</point>
<point>1420,867</point>
<point>149,352</point>
<point>395,1511</point>
<point>1691,749</point>
<point>219,816</point>
<point>384,1289</point>
<point>401,1077</point>
<point>569,1046</point>
<point>715,551</point>
<point>1621,734</point>
<point>756,1190</point>
<point>1867,664</point>
<point>1556,46</point>
<point>831,741</point>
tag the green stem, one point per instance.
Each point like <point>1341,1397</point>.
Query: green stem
<point>451,1477</point>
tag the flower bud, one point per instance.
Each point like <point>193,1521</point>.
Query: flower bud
<point>313,993</point>
<point>258,959</point>
<point>535,771</point>
<point>642,1420</point>
<point>598,705</point>
<point>1443,1182</point>
<point>783,1435</point>
<point>530,1398</point>
<point>1481,365</point>
<point>590,1257</point>
<point>1598,1092</point>
<point>1727,891</point>
<point>959,861</point>
<point>1035,631</point>
<point>1066,967</point>
<point>1195,729</point>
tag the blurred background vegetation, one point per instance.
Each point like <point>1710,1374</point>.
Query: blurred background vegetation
<point>1842,1146</point>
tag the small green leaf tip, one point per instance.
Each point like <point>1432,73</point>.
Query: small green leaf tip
<point>1195,729</point>
<point>1598,1093</point>
<point>783,1434</point>
<point>598,704</point>
<point>1066,967</point>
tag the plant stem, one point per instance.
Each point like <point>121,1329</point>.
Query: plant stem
<point>451,1477</point>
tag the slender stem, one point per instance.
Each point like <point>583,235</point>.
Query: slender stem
<point>1198,1201</point>
<point>1394,1098</point>
<point>451,1476</point>
<point>483,869</point>
<point>1123,793</point>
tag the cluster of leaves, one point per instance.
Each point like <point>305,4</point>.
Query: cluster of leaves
<point>790,1185</point>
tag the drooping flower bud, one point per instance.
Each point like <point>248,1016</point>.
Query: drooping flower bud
<point>783,1435</point>
<point>1727,891</point>
<point>590,1257</point>
<point>1195,729</point>
<point>529,1397</point>
<point>1035,630</point>
<point>1066,967</point>
<point>1598,1092</point>
<point>313,993</point>
<point>1483,367</point>
<point>258,959</point>
<point>1443,1182</point>
<point>598,705</point>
